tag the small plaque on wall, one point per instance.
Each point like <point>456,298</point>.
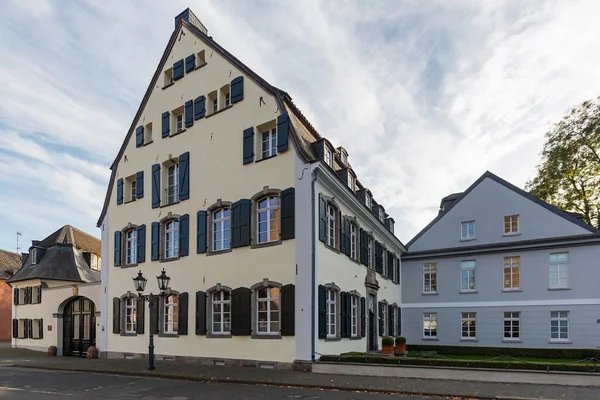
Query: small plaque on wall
<point>49,328</point>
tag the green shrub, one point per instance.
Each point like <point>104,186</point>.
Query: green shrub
<point>387,341</point>
<point>400,340</point>
<point>507,351</point>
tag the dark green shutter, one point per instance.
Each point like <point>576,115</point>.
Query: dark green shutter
<point>390,328</point>
<point>156,186</point>
<point>363,317</point>
<point>155,241</point>
<point>343,327</point>
<point>287,213</point>
<point>153,311</point>
<point>29,323</point>
<point>288,310</point>
<point>116,315</point>
<point>39,294</point>
<point>282,132</point>
<point>397,270</point>
<point>16,296</point>
<point>399,321</point>
<point>322,312</point>
<point>240,223</point>
<point>378,257</point>
<point>184,176</point>
<point>381,316</point>
<point>343,235</point>
<point>364,249</point>
<point>140,317</point>
<point>240,312</point>
<point>322,219</point>
<point>165,124</point>
<point>139,136</point>
<point>199,107</point>
<point>120,191</point>
<point>182,310</point>
<point>139,185</point>
<point>117,248</point>
<point>201,232</point>
<point>189,113</point>
<point>178,70</point>
<point>237,89</point>
<point>41,328</point>
<point>190,63</point>
<point>390,264</point>
<point>141,243</point>
<point>184,235</point>
<point>200,313</point>
<point>15,328</point>
<point>248,146</point>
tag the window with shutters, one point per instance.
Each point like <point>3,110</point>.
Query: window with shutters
<point>512,266</point>
<point>221,312</point>
<point>130,315</point>
<point>383,316</point>
<point>559,326</point>
<point>269,143</point>
<point>171,239</point>
<point>267,217</point>
<point>430,278</point>
<point>171,179</point>
<point>332,225</point>
<point>33,256</point>
<point>511,225</point>
<point>268,312</point>
<point>170,314</point>
<point>353,241</point>
<point>178,122</point>
<point>225,93</point>
<point>22,295</point>
<point>212,103</point>
<point>512,325</point>
<point>370,264</point>
<point>168,78</point>
<point>148,133</point>
<point>559,270</point>
<point>36,328</point>
<point>22,328</point>
<point>468,323</point>
<point>328,156</point>
<point>354,318</point>
<point>430,325</point>
<point>332,313</point>
<point>221,229</point>
<point>130,188</point>
<point>131,247</point>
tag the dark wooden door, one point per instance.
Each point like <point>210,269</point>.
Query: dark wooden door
<point>79,327</point>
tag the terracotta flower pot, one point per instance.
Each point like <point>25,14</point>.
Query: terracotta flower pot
<point>387,349</point>
<point>52,350</point>
<point>400,348</point>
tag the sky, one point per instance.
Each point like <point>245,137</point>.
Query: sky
<point>425,95</point>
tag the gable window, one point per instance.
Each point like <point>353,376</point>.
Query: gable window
<point>170,313</point>
<point>468,322</point>
<point>268,219</point>
<point>331,225</point>
<point>269,143</point>
<point>353,241</point>
<point>267,310</point>
<point>131,246</point>
<point>221,312</point>
<point>328,157</point>
<point>148,133</point>
<point>512,328</point>
<point>221,229</point>
<point>511,224</point>
<point>354,316</point>
<point>369,252</point>
<point>131,185</point>
<point>95,262</point>
<point>559,270</point>
<point>467,276</point>
<point>430,325</point>
<point>172,239</point>
<point>168,77</point>
<point>213,103</point>
<point>430,278</point>
<point>225,96</point>
<point>172,183</point>
<point>559,325</point>
<point>467,230</point>
<point>33,256</point>
<point>332,313</point>
<point>130,315</point>
<point>201,58</point>
<point>512,267</point>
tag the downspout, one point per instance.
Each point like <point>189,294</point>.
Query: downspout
<point>314,264</point>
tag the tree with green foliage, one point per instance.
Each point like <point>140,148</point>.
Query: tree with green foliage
<point>569,174</point>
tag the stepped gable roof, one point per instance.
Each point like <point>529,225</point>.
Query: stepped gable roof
<point>9,263</point>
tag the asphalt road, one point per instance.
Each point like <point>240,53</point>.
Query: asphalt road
<point>31,384</point>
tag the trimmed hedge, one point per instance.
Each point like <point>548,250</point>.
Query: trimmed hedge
<point>507,351</point>
<point>437,362</point>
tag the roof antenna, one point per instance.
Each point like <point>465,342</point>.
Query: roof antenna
<point>18,248</point>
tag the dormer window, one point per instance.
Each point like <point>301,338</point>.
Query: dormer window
<point>343,158</point>
<point>328,157</point>
<point>368,200</point>
<point>381,214</point>
<point>33,256</point>
<point>350,181</point>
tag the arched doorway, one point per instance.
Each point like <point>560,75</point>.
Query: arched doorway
<point>79,326</point>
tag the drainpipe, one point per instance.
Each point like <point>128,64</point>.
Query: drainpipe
<point>314,264</point>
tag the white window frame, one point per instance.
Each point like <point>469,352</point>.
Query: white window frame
<point>272,216</point>
<point>173,183</point>
<point>131,247</point>
<point>384,319</point>
<point>512,321</point>
<point>33,256</point>
<point>558,261</point>
<point>381,214</point>
<point>343,157</point>
<point>331,225</point>
<point>370,252</point>
<point>430,325</point>
<point>558,320</point>
<point>354,319</point>
<point>130,315</point>
<point>350,180</point>
<point>467,230</point>
<point>332,314</point>
<point>512,265</point>
<point>328,156</point>
<point>353,241</point>
<point>227,99</point>
<point>368,202</point>
<point>221,225</point>
<point>468,320</point>
<point>132,189</point>
<point>430,278</point>
<point>171,239</point>
<point>511,220</point>
<point>215,104</point>
<point>269,300</point>
<point>219,299</point>
<point>170,314</point>
<point>467,269</point>
<point>268,141</point>
<point>179,122</point>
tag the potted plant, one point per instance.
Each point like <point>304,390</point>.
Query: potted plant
<point>400,344</point>
<point>387,345</point>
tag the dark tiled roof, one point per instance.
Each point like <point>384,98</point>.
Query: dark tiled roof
<point>459,196</point>
<point>74,237</point>
<point>9,263</point>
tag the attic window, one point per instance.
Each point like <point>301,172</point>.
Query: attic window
<point>343,157</point>
<point>213,103</point>
<point>178,125</point>
<point>225,97</point>
<point>168,77</point>
<point>148,133</point>
<point>350,180</point>
<point>381,214</point>
<point>33,256</point>
<point>130,187</point>
<point>95,262</point>
<point>201,59</point>
<point>327,157</point>
<point>368,200</point>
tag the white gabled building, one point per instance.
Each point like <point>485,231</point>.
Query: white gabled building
<point>261,223</point>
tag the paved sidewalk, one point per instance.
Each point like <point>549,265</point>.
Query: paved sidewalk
<point>198,372</point>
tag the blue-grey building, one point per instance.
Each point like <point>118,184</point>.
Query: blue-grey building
<point>499,267</point>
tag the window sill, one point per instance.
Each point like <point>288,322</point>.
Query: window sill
<point>199,66</point>
<point>332,248</point>
<point>266,158</point>
<point>169,335</point>
<point>218,335</point>
<point>164,260</point>
<point>170,204</point>
<point>216,253</point>
<point>512,340</point>
<point>168,86</point>
<point>333,339</point>
<point>128,334</point>
<point>469,340</point>
<point>179,132</point>
<point>564,341</point>
<point>219,111</point>
<point>147,143</point>
<point>429,293</point>
<point>267,244</point>
<point>129,201</point>
<point>129,266</point>
<point>471,291</point>
<point>511,234</point>
<point>355,338</point>
<point>431,339</point>
<point>265,336</point>
<point>560,288</point>
<point>468,239</point>
<point>512,290</point>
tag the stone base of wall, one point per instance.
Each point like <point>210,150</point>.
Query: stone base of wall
<point>43,349</point>
<point>227,362</point>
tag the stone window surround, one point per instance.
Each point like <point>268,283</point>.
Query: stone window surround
<point>254,316</point>
<point>338,311</point>
<point>356,294</point>
<point>209,292</point>
<point>161,245</point>
<point>354,221</point>
<point>395,326</point>
<point>123,319</point>
<point>384,315</point>
<point>161,314</point>
<point>124,231</point>
<point>265,192</point>
<point>330,201</point>
<point>209,228</point>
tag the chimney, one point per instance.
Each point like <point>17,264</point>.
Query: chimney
<point>190,17</point>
